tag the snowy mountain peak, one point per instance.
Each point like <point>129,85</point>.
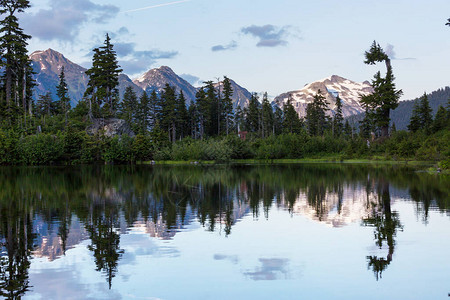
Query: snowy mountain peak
<point>331,87</point>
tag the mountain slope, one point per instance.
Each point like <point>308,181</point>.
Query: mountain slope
<point>156,80</point>
<point>48,64</point>
<point>331,87</point>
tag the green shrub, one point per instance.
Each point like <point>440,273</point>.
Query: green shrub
<point>40,149</point>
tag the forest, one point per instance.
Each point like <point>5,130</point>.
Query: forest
<point>164,127</point>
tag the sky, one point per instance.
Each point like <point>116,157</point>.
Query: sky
<point>264,45</point>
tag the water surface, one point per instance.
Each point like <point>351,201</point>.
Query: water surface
<point>308,231</point>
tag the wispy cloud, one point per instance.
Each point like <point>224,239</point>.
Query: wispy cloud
<point>136,61</point>
<point>193,80</point>
<point>268,35</point>
<point>155,6</point>
<point>392,55</point>
<point>232,45</point>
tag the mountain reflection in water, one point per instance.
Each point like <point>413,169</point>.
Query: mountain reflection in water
<point>44,212</point>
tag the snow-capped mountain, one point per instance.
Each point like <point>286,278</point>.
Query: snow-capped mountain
<point>349,91</point>
<point>156,80</point>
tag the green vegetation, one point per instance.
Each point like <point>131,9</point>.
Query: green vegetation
<point>164,127</point>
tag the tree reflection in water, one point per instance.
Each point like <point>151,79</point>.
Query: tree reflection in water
<point>108,199</point>
<point>386,224</point>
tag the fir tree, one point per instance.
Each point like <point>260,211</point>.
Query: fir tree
<point>291,120</point>
<point>62,92</point>
<point>181,116</point>
<point>252,115</point>
<point>338,118</point>
<point>103,80</point>
<point>266,117</point>
<point>129,107</point>
<point>16,78</point>
<point>211,123</point>
<point>227,104</point>
<point>203,108</point>
<point>155,108</point>
<point>316,118</point>
<point>144,113</point>
<point>385,97</point>
<point>168,112</point>
<point>277,121</point>
<point>441,120</point>
<point>347,129</point>
<point>421,117</point>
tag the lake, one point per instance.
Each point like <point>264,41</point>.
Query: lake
<point>295,231</point>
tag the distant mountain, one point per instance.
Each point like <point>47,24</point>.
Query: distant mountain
<point>48,64</point>
<point>156,80</point>
<point>241,96</point>
<point>331,87</point>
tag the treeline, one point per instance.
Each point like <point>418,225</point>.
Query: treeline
<point>166,127</point>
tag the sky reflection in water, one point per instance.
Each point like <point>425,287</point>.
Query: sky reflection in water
<point>265,232</point>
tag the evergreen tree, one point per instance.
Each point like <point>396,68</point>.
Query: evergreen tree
<point>168,112</point>
<point>212,99</point>
<point>129,107</point>
<point>103,81</point>
<point>291,120</point>
<point>266,117</point>
<point>155,108</point>
<point>193,120</point>
<point>338,118</point>
<point>16,78</point>
<point>144,113</point>
<point>385,97</point>
<point>421,117</point>
<point>441,120</point>
<point>414,121</point>
<point>45,107</point>
<point>62,92</point>
<point>347,129</point>
<point>252,115</point>
<point>203,110</point>
<point>316,118</point>
<point>181,116</point>
<point>227,104</point>
<point>277,120</point>
<point>366,125</point>
<point>239,119</point>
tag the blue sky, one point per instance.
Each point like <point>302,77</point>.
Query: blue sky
<point>273,46</point>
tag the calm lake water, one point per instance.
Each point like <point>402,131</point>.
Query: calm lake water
<point>308,231</point>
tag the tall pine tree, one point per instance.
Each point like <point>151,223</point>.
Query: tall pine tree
<point>227,104</point>
<point>385,96</point>
<point>62,92</point>
<point>102,89</point>
<point>16,78</point>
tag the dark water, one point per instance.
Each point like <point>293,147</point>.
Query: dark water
<point>224,232</point>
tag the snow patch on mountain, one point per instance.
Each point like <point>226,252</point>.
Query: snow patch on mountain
<point>331,87</point>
